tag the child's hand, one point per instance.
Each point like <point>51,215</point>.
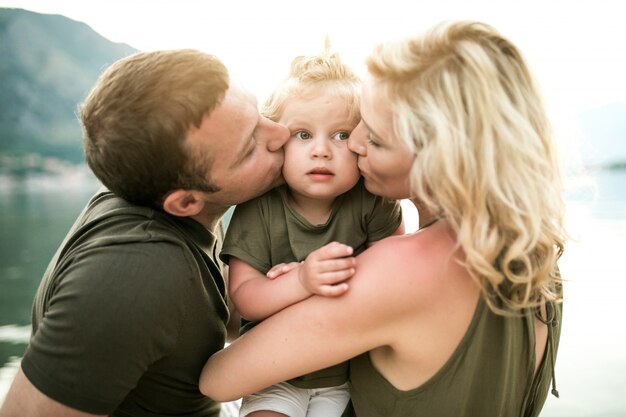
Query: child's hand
<point>325,270</point>
<point>281,269</point>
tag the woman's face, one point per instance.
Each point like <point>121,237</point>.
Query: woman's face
<point>384,160</point>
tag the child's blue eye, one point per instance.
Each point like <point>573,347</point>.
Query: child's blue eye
<point>302,134</point>
<point>339,136</point>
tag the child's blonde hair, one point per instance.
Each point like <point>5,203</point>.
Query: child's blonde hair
<point>311,74</point>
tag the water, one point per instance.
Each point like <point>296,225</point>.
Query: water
<point>591,366</point>
<point>35,215</point>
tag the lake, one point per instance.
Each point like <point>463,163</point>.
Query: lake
<point>591,366</point>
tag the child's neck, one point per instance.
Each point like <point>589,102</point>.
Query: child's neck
<point>315,211</point>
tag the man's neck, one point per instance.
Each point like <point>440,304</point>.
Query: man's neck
<point>209,219</point>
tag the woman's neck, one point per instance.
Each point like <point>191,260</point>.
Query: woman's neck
<point>426,217</point>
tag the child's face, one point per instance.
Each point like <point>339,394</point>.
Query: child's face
<point>318,163</point>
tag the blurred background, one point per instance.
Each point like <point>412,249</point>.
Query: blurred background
<point>52,52</point>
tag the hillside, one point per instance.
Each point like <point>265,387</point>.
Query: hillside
<point>49,63</point>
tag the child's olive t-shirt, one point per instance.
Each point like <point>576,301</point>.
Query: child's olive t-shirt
<point>266,231</point>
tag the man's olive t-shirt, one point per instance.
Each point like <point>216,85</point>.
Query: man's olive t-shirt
<point>267,231</point>
<point>129,310</point>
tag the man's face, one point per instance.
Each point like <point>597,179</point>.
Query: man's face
<point>245,148</point>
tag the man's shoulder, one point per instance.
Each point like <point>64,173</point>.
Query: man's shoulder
<point>113,218</point>
<point>106,204</point>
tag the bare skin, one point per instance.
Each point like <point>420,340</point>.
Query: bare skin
<point>376,314</point>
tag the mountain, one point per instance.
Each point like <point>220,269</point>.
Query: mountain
<point>49,64</point>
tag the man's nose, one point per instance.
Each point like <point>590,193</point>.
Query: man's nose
<point>276,135</point>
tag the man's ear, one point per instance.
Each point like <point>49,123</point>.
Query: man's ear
<point>183,203</point>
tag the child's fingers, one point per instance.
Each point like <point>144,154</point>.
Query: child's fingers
<point>336,264</point>
<point>335,277</point>
<point>326,283</point>
<point>333,290</point>
<point>281,269</point>
<point>334,250</point>
<point>275,269</point>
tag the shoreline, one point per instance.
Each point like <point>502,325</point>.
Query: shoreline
<point>78,178</point>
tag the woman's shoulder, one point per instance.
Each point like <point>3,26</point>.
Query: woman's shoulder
<point>401,283</point>
<point>418,263</point>
<point>427,246</point>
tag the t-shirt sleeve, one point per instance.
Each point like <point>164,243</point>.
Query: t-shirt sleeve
<point>109,319</point>
<point>248,236</point>
<point>383,216</point>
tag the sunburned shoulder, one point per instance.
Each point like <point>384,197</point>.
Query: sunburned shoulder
<point>422,257</point>
<point>436,240</point>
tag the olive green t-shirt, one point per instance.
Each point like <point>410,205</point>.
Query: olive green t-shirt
<point>490,374</point>
<point>129,310</point>
<point>266,231</point>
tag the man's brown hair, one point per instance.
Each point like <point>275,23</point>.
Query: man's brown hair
<point>136,118</point>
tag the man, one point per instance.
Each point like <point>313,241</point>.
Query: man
<point>133,303</point>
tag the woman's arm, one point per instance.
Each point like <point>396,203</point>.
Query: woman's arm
<point>317,332</point>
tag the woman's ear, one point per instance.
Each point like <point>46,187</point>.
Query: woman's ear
<point>183,203</point>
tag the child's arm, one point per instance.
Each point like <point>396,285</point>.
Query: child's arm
<point>323,272</point>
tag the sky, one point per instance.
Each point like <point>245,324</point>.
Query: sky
<point>575,48</point>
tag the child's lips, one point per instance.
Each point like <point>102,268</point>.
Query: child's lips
<point>320,174</point>
<point>320,171</point>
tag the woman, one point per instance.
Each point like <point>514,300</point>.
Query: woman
<point>461,318</point>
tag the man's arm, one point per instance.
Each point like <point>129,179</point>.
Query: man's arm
<point>24,399</point>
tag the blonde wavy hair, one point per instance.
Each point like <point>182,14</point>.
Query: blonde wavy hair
<point>310,75</point>
<point>465,102</point>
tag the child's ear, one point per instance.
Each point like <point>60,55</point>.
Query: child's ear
<point>183,203</point>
